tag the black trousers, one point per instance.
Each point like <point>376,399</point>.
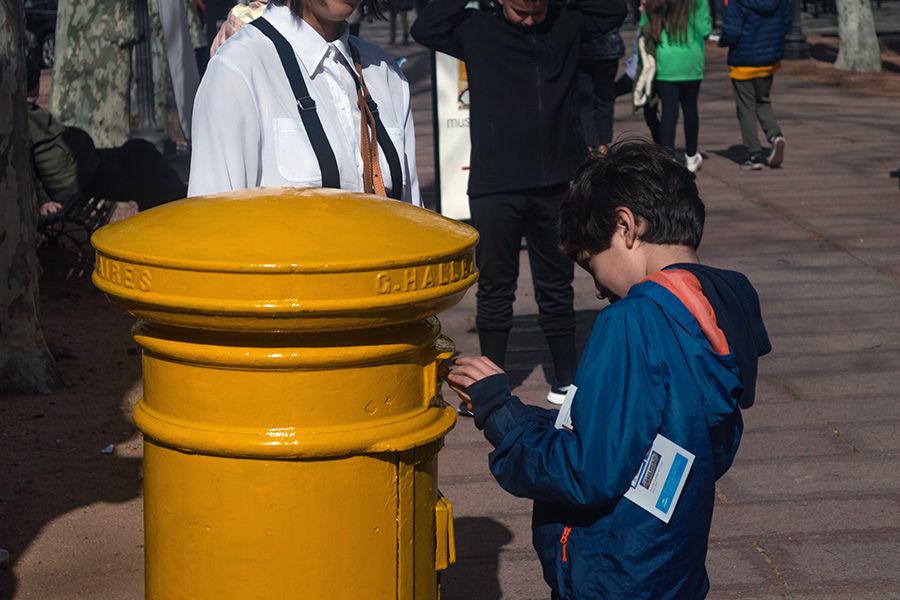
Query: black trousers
<point>671,94</point>
<point>502,221</point>
<point>597,96</point>
<point>135,171</point>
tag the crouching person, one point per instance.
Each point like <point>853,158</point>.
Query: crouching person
<point>673,357</point>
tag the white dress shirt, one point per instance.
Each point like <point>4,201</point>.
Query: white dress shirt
<point>247,130</point>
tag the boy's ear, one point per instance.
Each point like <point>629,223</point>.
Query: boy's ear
<point>629,226</point>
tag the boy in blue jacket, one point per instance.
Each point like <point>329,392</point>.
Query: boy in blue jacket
<point>675,354</point>
<point>753,31</point>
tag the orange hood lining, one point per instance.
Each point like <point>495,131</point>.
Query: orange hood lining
<point>687,288</point>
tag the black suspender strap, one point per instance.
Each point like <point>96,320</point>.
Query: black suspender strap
<point>306,106</point>
<point>390,153</point>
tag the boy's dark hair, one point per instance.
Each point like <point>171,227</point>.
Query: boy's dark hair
<point>642,177</point>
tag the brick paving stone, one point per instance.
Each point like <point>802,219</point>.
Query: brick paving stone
<point>817,477</point>
<point>873,438</point>
<point>785,519</point>
<point>738,566</point>
<point>795,442</point>
<point>830,411</point>
<point>838,561</point>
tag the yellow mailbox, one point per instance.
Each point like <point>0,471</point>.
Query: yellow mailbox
<point>292,412</point>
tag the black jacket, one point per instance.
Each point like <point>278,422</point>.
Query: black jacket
<point>524,106</point>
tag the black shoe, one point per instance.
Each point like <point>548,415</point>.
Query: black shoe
<point>464,411</point>
<point>776,156</point>
<point>755,163</point>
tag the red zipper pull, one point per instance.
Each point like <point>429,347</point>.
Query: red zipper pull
<point>570,518</point>
<point>563,540</point>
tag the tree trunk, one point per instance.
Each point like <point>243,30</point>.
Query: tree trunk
<point>859,51</point>
<point>92,75</point>
<point>26,364</point>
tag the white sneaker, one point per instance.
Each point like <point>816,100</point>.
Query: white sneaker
<point>557,395</point>
<point>693,162</point>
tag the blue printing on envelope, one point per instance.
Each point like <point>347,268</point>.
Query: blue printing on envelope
<point>671,485</point>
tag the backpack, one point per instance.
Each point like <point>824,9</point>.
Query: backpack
<point>64,158</point>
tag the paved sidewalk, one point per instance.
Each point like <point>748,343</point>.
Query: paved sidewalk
<point>811,508</point>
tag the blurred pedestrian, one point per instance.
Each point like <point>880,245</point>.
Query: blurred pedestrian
<point>598,63</point>
<point>679,28</point>
<point>355,20</point>
<point>237,17</point>
<point>625,85</point>
<point>521,61</point>
<point>753,31</point>
<point>294,100</point>
<point>401,8</point>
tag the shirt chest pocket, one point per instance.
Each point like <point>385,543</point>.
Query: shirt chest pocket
<point>294,155</point>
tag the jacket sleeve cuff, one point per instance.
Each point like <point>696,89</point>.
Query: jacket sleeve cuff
<point>487,396</point>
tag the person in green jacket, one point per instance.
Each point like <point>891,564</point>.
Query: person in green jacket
<point>678,28</point>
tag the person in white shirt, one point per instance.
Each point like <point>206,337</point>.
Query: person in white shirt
<point>248,128</point>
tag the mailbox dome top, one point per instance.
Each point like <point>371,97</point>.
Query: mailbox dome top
<point>294,259</point>
<point>284,230</point>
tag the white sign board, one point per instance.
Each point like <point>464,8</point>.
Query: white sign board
<point>451,135</point>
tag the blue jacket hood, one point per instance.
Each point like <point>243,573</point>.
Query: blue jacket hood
<point>736,305</point>
<point>714,376</point>
<point>763,8</point>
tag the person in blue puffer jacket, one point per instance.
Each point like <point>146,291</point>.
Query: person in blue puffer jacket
<point>674,355</point>
<point>753,31</point>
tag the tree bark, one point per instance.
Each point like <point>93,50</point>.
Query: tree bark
<point>92,76</point>
<point>26,364</point>
<point>859,51</point>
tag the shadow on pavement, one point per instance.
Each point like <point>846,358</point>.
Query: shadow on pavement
<point>55,451</point>
<point>479,542</point>
<point>735,153</point>
<point>527,347</point>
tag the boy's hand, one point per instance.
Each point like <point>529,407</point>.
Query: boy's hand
<point>465,371</point>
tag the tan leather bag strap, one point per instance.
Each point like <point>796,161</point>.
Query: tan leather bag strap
<point>373,181</point>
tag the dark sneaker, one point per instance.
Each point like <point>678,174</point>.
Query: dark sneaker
<point>776,156</point>
<point>754,163</point>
